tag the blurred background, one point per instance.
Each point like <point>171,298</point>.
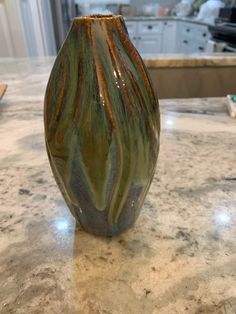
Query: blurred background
<point>31,28</point>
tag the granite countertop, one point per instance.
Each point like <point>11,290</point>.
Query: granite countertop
<point>180,257</point>
<point>190,60</point>
<point>151,61</point>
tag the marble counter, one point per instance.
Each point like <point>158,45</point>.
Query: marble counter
<point>180,257</point>
<point>191,60</point>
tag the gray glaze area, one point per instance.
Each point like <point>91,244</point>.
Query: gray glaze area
<point>180,257</point>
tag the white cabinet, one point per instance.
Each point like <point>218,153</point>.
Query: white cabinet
<point>149,45</point>
<point>150,28</point>
<point>191,38</point>
<point>169,37</point>
<point>146,36</point>
<point>152,37</point>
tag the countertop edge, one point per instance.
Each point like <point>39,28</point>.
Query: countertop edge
<point>189,61</point>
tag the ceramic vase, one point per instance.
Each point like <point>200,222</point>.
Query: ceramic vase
<point>102,125</point>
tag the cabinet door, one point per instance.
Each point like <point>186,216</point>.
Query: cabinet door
<point>191,38</point>
<point>187,46</point>
<point>132,31</point>
<point>199,47</point>
<point>202,36</point>
<point>149,28</point>
<point>149,37</point>
<point>179,37</point>
<point>149,45</point>
<point>169,37</point>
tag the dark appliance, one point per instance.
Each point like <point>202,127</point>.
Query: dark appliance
<point>224,35</point>
<point>227,15</point>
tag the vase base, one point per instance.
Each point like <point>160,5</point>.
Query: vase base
<point>107,232</point>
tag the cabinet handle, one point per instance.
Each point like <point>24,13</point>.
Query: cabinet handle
<point>150,27</point>
<point>204,34</point>
<point>187,30</point>
<point>185,41</point>
<point>200,48</point>
<point>165,23</point>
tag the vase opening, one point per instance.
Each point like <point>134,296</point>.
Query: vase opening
<point>98,17</point>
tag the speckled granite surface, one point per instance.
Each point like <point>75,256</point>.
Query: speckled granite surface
<point>176,60</point>
<point>191,60</point>
<point>180,257</point>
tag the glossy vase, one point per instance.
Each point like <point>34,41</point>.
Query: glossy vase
<point>102,125</point>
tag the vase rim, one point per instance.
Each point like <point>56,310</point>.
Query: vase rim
<point>97,17</point>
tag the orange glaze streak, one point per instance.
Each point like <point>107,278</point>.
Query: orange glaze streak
<point>135,56</point>
<point>59,137</point>
<point>101,82</point>
<point>123,89</point>
<point>62,94</point>
<point>139,62</point>
<point>136,89</point>
<point>128,72</point>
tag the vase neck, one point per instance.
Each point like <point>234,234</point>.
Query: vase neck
<point>101,20</point>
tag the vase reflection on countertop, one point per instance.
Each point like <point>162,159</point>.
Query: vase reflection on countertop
<point>102,125</point>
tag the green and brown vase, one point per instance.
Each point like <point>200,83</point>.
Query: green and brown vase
<point>102,125</point>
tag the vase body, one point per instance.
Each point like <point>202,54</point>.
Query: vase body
<point>102,125</point>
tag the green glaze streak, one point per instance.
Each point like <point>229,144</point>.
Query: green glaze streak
<point>93,133</point>
<point>131,136</point>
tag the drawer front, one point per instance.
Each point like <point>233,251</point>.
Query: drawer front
<point>188,31</point>
<point>150,27</point>
<point>202,35</point>
<point>149,45</point>
<point>197,33</point>
<point>169,23</point>
<point>191,46</point>
<point>187,46</point>
<point>200,47</point>
<point>131,28</point>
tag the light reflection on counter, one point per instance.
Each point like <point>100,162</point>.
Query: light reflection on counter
<point>64,225</point>
<point>169,122</point>
<point>222,219</point>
